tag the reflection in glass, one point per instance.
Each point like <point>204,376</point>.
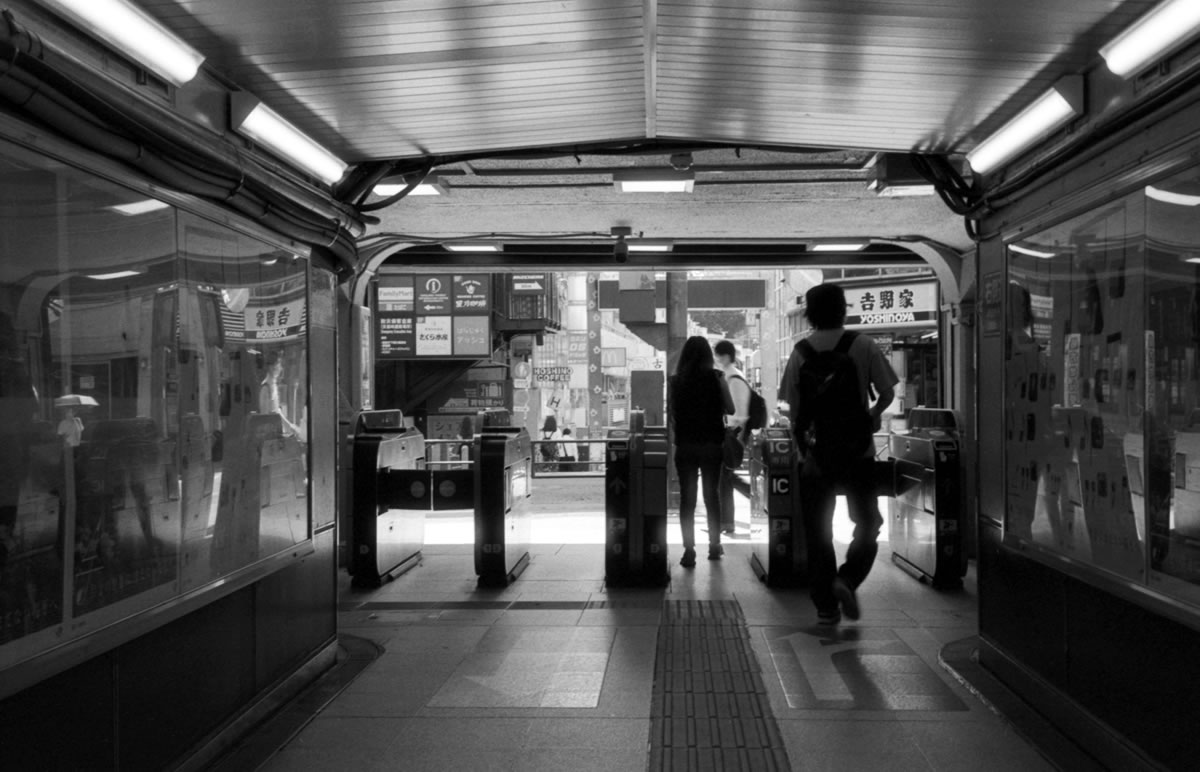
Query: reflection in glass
<point>1172,448</point>
<point>153,403</point>
<point>1073,390</point>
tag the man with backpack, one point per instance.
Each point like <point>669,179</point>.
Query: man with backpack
<point>827,384</point>
<point>749,413</point>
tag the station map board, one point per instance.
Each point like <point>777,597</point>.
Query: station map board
<point>433,316</point>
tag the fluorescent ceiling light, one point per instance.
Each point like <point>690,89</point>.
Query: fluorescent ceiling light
<point>898,191</point>
<point>650,245</point>
<point>654,181</point>
<point>1048,112</point>
<point>113,275</point>
<point>1195,260</point>
<point>1167,197</point>
<point>1030,252</point>
<point>431,187</point>
<point>472,246</point>
<point>844,246</point>
<point>140,207</point>
<point>262,124</point>
<point>1151,37</point>
<point>135,33</point>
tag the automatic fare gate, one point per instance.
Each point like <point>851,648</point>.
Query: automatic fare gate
<point>927,509</point>
<point>390,497</point>
<point>503,461</point>
<point>635,504</point>
<point>778,549</point>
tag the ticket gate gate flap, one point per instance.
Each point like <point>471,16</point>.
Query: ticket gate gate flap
<point>452,489</point>
<point>390,497</point>
<point>503,471</point>
<point>926,506</point>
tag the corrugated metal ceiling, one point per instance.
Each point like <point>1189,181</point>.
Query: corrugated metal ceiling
<point>385,79</point>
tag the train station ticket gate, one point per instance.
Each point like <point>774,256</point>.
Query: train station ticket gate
<point>927,508</point>
<point>778,549</point>
<point>635,504</point>
<point>503,466</point>
<point>390,497</point>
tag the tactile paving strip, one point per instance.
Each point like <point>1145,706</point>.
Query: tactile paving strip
<point>710,708</point>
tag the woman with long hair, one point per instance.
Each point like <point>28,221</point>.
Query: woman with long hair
<point>699,401</point>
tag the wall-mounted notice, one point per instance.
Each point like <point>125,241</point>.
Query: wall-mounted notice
<point>433,316</point>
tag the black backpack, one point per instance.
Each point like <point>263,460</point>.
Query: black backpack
<point>831,420</point>
<point>758,408</point>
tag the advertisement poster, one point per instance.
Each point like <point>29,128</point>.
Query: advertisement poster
<point>433,295</point>
<point>471,336</point>
<point>434,336</point>
<point>991,310</point>
<point>471,294</point>
<point>397,336</point>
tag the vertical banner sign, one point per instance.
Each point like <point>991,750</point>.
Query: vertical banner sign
<point>595,377</point>
<point>577,349</point>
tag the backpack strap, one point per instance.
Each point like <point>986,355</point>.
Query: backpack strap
<point>845,342</point>
<point>806,349</point>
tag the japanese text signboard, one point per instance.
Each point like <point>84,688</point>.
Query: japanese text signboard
<point>433,316</point>
<point>912,304</point>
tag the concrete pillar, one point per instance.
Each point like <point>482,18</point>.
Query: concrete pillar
<point>677,333</point>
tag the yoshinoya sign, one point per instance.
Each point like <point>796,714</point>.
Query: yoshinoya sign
<point>907,304</point>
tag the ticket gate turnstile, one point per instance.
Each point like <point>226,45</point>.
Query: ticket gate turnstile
<point>503,466</point>
<point>778,549</point>
<point>635,504</point>
<point>926,511</point>
<point>390,497</point>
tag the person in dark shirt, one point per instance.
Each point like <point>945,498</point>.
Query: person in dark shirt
<point>699,402</point>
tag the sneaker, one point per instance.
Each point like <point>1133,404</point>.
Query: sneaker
<point>829,617</point>
<point>715,552</point>
<point>689,558</point>
<point>846,597</point>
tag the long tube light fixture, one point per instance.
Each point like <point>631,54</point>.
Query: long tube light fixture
<point>839,246</point>
<point>432,186</point>
<point>1048,112</point>
<point>1151,37</point>
<point>650,245</point>
<point>1171,197</point>
<point>135,33</point>
<point>249,116</point>
<point>654,181</point>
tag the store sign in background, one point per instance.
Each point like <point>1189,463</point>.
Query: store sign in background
<point>433,316</point>
<point>471,294</point>
<point>892,305</point>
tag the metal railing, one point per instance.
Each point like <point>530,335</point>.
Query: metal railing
<point>445,454</point>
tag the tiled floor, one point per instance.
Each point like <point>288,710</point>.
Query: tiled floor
<point>555,672</point>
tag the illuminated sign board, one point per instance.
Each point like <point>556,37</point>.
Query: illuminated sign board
<point>433,316</point>
<point>908,304</point>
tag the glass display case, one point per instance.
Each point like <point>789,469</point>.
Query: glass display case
<point>1102,392</point>
<point>153,405</point>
